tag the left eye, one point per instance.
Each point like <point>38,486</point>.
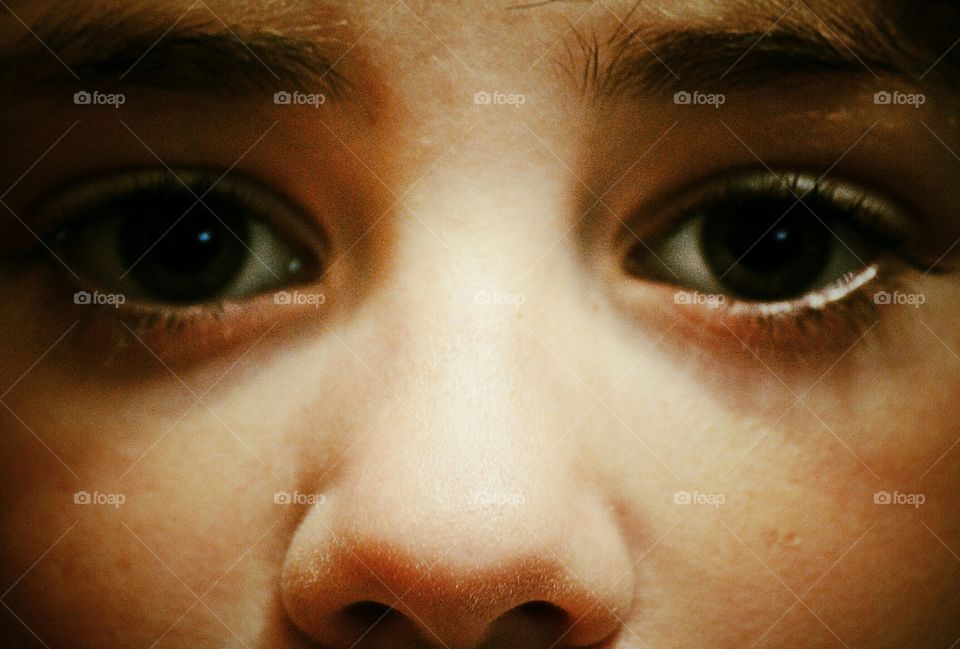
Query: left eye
<point>753,239</point>
<point>148,237</point>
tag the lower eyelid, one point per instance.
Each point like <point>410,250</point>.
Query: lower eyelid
<point>181,337</point>
<point>142,338</point>
<point>815,300</point>
<point>809,326</point>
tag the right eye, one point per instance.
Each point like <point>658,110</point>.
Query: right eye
<point>751,238</point>
<point>147,236</point>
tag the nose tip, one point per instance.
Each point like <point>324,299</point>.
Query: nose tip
<point>368,594</point>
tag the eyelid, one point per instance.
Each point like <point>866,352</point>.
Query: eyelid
<point>882,218</point>
<point>56,217</point>
<point>179,334</point>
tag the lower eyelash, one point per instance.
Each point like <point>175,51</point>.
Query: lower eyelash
<point>815,301</point>
<point>146,338</point>
<point>826,321</point>
<point>174,336</point>
<point>809,328</point>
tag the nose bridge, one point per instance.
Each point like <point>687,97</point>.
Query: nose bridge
<point>463,430</point>
<point>473,418</point>
<point>460,333</point>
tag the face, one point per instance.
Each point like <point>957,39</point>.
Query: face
<point>457,324</point>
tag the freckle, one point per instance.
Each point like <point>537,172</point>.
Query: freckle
<point>770,539</point>
<point>775,540</point>
<point>124,564</point>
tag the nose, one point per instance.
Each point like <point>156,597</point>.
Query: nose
<point>458,522</point>
<point>499,570</point>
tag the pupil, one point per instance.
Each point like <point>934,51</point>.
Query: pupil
<point>766,250</point>
<point>192,245</point>
<point>190,260</point>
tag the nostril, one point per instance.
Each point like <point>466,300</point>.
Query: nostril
<point>369,613</point>
<point>536,623</point>
<point>543,613</point>
<point>368,623</point>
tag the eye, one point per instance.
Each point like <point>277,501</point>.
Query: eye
<point>189,239</point>
<point>764,238</point>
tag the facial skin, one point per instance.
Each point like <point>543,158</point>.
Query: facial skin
<point>493,433</point>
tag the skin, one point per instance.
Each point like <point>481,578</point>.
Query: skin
<point>499,474</point>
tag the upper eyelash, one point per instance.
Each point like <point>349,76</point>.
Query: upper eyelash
<point>56,221</point>
<point>880,218</point>
<point>823,319</point>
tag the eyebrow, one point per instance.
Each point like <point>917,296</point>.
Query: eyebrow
<point>645,62</point>
<point>209,58</point>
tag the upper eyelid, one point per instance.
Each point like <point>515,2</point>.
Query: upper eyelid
<point>887,218</point>
<point>54,216</point>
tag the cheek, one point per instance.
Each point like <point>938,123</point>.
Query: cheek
<point>804,545</point>
<point>176,508</point>
<point>796,554</point>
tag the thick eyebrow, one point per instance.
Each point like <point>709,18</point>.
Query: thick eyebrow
<point>648,62</point>
<point>205,58</point>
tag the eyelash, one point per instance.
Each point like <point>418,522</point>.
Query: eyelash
<point>830,318</point>
<point>185,333</point>
<point>175,334</point>
<point>138,335</point>
<point>805,329</point>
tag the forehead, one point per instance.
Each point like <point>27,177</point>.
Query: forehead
<point>519,13</point>
<point>487,32</point>
<point>495,25</point>
<point>420,38</point>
